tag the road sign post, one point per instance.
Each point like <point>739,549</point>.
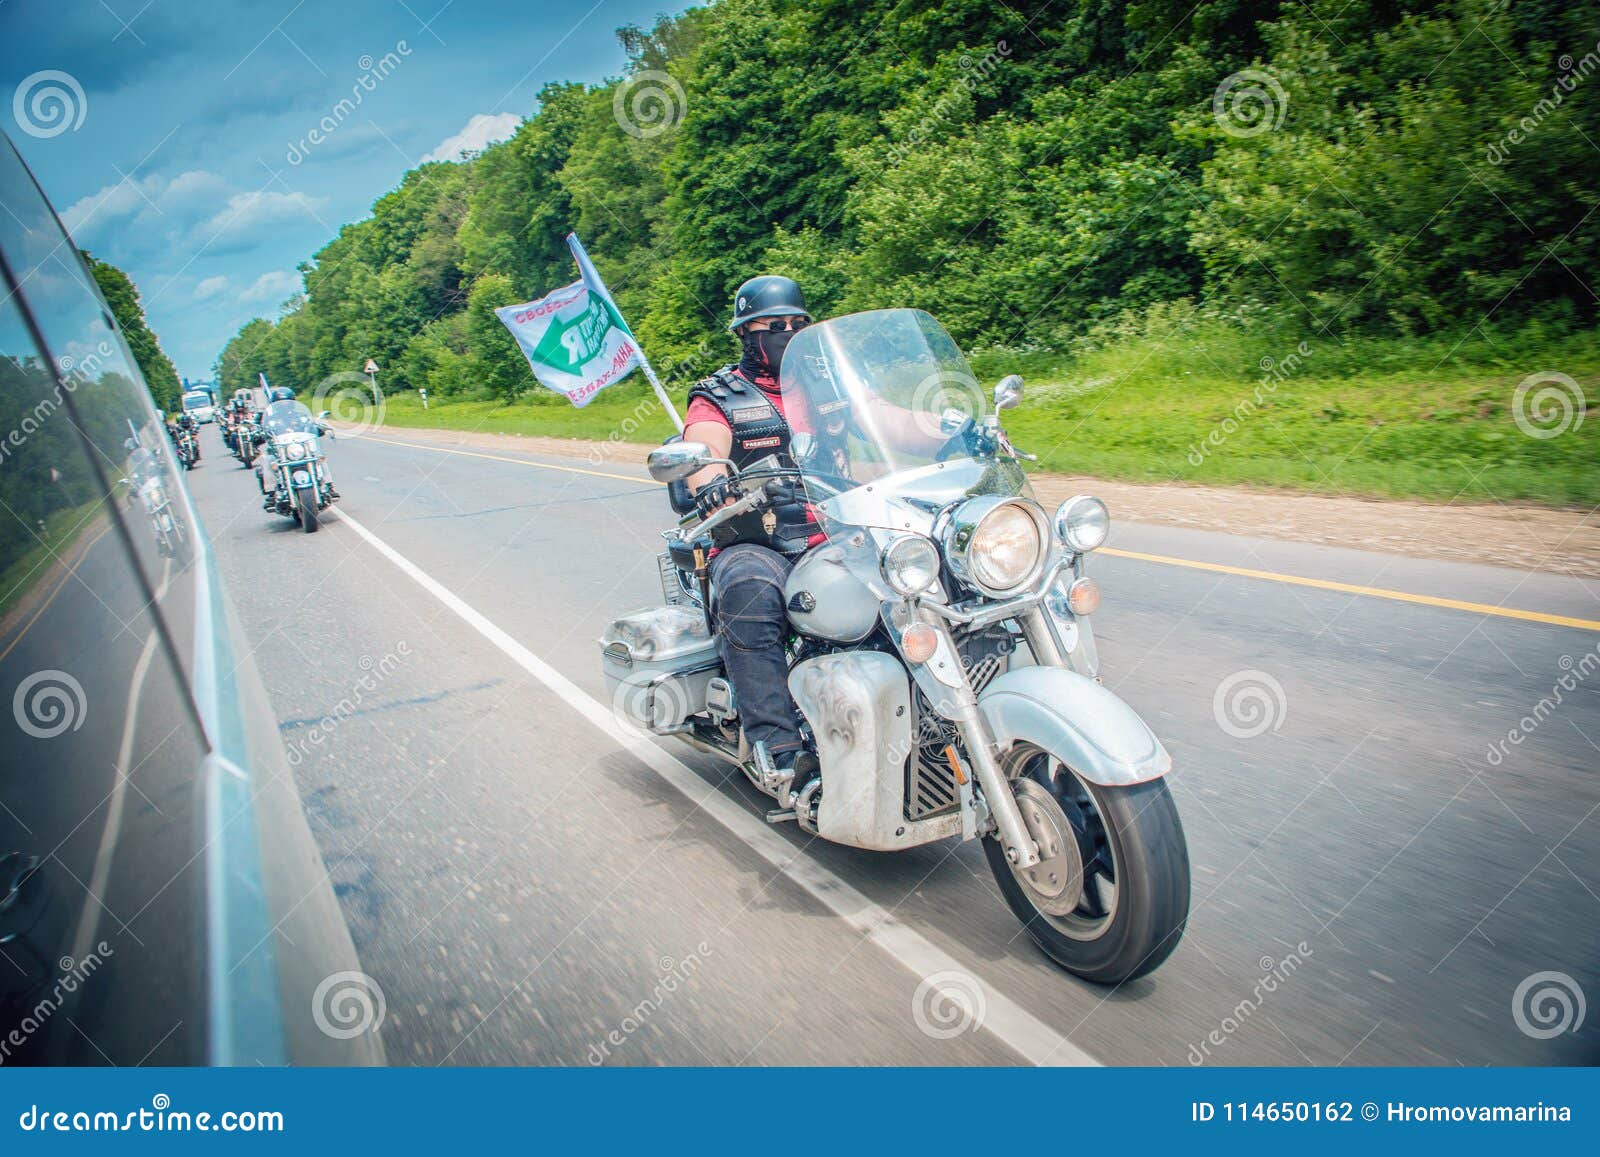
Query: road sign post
<point>371,370</point>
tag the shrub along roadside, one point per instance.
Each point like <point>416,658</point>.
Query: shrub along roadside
<point>1191,398</point>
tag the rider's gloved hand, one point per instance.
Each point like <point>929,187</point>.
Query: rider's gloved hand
<point>714,495</point>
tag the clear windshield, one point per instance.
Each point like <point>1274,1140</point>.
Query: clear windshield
<point>887,398</point>
<point>288,418</point>
<point>871,394</point>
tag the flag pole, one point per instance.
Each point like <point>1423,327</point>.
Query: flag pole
<point>591,277</point>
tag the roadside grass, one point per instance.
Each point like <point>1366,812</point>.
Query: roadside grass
<point>1205,401</point>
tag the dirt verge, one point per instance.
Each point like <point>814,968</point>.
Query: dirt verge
<point>1535,538</point>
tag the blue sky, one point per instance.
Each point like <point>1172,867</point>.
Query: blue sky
<point>188,158</point>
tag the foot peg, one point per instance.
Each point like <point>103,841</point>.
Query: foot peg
<point>781,815</point>
<point>774,780</point>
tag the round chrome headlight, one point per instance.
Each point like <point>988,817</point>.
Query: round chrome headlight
<point>1082,523</point>
<point>295,450</point>
<point>997,544</point>
<point>910,564</point>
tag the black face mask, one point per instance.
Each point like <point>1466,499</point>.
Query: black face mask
<point>763,352</point>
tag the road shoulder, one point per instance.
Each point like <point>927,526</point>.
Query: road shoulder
<point>1521,537</point>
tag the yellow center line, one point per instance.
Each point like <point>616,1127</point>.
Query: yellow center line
<point>1164,560</point>
<point>1355,589</point>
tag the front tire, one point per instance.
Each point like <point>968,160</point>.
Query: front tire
<point>1125,911</point>
<point>306,508</point>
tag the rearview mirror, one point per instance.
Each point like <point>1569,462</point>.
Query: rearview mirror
<point>1008,392</point>
<point>325,414</point>
<point>677,460</point>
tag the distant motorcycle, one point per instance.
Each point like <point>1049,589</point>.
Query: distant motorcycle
<point>186,440</point>
<point>293,473</point>
<point>939,646</point>
<point>236,427</point>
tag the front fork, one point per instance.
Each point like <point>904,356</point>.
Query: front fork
<point>1051,646</point>
<point>943,678</point>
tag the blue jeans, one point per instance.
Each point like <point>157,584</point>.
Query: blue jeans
<point>751,627</point>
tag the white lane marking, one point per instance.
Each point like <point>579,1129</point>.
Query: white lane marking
<point>89,920</point>
<point>1014,1025</point>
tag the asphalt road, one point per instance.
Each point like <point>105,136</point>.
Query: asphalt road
<point>1371,886</point>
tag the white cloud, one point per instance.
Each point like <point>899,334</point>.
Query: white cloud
<point>479,133</point>
<point>210,287</point>
<point>273,287</point>
<point>248,215</point>
<point>194,212</point>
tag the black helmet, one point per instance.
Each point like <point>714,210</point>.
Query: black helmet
<point>767,296</point>
<point>281,394</point>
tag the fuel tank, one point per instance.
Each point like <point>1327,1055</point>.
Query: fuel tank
<point>826,601</point>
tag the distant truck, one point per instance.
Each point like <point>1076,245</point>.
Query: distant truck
<point>201,405</point>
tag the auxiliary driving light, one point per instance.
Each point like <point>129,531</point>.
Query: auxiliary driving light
<point>910,564</point>
<point>1082,522</point>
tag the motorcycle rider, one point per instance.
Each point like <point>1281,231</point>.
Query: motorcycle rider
<point>189,424</point>
<point>259,432</point>
<point>738,412</point>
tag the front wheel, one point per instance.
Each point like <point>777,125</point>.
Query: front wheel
<point>1110,896</point>
<point>306,508</point>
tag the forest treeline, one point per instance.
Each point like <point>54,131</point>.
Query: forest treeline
<point>126,306</point>
<point>1315,169</point>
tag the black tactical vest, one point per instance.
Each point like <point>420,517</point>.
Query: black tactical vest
<point>758,431</point>
<point>758,428</point>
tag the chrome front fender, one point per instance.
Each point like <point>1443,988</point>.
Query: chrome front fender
<point>1076,720</point>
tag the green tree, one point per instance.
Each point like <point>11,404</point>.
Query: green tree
<point>126,307</point>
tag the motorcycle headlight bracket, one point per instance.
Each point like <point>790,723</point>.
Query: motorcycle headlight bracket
<point>965,542</point>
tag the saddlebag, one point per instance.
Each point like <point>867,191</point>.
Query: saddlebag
<point>657,665</point>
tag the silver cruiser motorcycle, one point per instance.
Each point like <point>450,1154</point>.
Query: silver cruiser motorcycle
<point>940,650</point>
<point>293,471</point>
